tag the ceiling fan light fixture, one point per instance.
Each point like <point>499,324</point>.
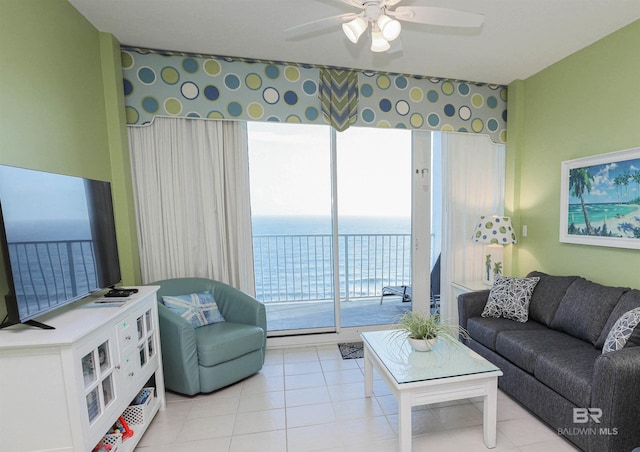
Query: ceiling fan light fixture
<point>390,27</point>
<point>378,43</point>
<point>354,29</point>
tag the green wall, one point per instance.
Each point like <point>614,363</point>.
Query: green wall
<point>61,105</point>
<point>586,104</point>
<point>51,96</point>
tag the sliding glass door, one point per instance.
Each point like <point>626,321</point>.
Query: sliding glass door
<point>290,177</point>
<point>374,225</point>
<point>331,219</point>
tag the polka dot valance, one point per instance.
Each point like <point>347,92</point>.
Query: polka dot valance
<point>201,86</point>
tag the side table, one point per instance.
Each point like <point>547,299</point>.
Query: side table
<point>460,287</point>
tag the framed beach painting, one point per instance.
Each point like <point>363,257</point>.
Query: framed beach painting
<point>600,200</point>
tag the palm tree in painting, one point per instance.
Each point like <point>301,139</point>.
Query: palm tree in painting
<point>636,178</point>
<point>580,181</point>
<point>625,178</point>
<point>617,181</point>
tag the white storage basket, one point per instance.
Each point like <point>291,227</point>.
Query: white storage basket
<point>139,414</point>
<point>112,439</point>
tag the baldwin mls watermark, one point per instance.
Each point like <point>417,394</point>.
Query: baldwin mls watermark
<point>584,416</point>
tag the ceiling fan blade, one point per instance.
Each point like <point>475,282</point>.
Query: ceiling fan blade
<point>432,15</point>
<point>319,24</point>
<point>356,3</point>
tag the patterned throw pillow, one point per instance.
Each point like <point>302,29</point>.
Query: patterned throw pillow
<point>624,333</point>
<point>199,309</point>
<point>510,297</point>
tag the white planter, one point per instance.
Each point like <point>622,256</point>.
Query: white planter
<point>422,345</point>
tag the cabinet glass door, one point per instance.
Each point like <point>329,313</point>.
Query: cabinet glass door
<point>146,348</point>
<point>97,373</point>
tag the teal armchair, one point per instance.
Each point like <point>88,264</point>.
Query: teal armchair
<point>202,360</point>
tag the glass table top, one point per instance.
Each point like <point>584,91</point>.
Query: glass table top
<point>407,366</point>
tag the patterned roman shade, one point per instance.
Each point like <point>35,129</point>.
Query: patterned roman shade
<point>338,94</point>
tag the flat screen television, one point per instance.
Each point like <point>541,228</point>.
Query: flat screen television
<point>57,240</point>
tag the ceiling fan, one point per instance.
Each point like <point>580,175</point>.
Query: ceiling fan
<point>385,22</point>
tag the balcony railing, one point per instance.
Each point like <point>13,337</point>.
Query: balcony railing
<point>300,267</point>
<point>45,272</point>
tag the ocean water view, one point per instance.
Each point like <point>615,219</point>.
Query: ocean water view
<point>293,256</point>
<point>48,230</point>
<point>51,261</point>
<point>298,224</point>
<point>599,213</point>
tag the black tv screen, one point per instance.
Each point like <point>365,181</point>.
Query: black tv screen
<point>58,240</point>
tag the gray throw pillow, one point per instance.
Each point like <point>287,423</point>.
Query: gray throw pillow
<point>625,332</point>
<point>510,297</point>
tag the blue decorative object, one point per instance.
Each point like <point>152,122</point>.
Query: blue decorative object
<point>199,309</point>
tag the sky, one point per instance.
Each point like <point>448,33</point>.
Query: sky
<point>29,195</point>
<point>603,188</point>
<point>290,170</point>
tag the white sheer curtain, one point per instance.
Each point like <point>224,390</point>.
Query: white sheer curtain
<point>191,186</point>
<point>473,173</point>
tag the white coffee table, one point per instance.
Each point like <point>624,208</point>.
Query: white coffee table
<point>447,372</point>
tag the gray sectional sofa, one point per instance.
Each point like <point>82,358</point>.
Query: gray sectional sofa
<point>553,363</point>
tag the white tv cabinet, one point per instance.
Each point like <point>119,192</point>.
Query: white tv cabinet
<point>63,389</point>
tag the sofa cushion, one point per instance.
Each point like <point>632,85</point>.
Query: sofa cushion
<point>630,300</point>
<point>523,347</point>
<point>220,342</point>
<point>568,372</point>
<point>585,308</point>
<point>199,309</point>
<point>547,296</point>
<point>624,333</point>
<point>509,298</point>
<point>486,329</point>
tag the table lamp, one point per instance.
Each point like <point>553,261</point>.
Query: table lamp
<point>495,232</point>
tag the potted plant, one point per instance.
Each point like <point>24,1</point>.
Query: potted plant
<point>423,331</point>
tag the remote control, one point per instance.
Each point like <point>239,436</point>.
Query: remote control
<point>120,292</point>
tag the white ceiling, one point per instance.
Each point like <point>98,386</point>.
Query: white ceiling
<point>518,38</point>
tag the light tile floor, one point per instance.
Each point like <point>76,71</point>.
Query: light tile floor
<point>310,399</point>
